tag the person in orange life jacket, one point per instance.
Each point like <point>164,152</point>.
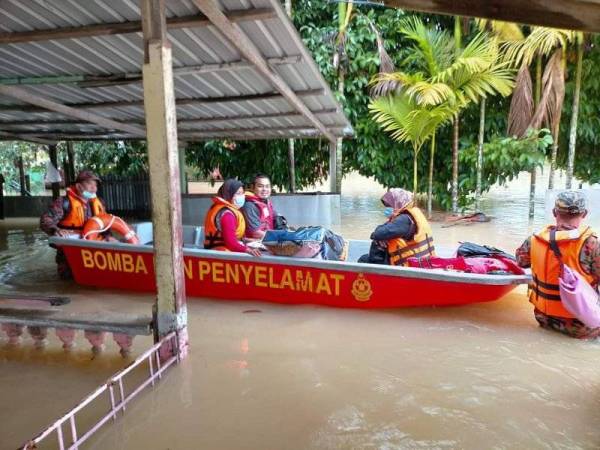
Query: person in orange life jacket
<point>258,210</point>
<point>580,250</point>
<point>224,225</point>
<point>67,215</point>
<point>406,233</point>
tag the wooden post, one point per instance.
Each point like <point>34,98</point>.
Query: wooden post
<point>170,312</point>
<point>21,176</point>
<point>54,161</point>
<point>333,147</point>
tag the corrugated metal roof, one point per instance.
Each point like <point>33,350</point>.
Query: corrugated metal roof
<point>219,95</point>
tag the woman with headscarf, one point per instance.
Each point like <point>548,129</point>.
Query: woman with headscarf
<point>224,225</point>
<point>406,233</point>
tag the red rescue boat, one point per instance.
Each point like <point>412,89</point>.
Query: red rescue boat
<point>237,276</point>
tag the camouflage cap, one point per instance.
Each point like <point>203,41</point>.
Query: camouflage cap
<point>570,202</point>
<point>85,175</point>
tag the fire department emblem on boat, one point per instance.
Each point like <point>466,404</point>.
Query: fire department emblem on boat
<point>361,288</point>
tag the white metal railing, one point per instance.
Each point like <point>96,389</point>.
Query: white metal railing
<point>156,368</point>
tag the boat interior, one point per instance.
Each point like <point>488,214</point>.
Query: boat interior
<point>193,238</point>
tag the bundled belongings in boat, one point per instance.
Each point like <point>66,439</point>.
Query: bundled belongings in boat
<point>492,265</point>
<point>469,249</point>
<point>306,242</point>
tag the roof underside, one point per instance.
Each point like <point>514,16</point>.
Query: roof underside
<point>218,93</point>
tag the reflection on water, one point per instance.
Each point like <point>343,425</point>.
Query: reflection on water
<point>479,376</point>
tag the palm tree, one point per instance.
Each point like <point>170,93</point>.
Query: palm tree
<point>550,88</point>
<point>408,121</point>
<point>445,76</point>
<point>503,32</point>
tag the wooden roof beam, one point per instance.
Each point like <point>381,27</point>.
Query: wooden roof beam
<point>199,121</point>
<point>238,39</point>
<point>180,102</point>
<point>118,79</point>
<point>581,15</point>
<point>7,136</point>
<point>106,29</point>
<point>50,105</point>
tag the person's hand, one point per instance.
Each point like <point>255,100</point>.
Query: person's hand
<point>61,233</point>
<point>253,251</point>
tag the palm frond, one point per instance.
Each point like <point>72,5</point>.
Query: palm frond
<point>553,94</point>
<point>386,66</point>
<point>521,105</point>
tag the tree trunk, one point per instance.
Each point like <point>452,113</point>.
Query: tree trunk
<point>457,47</point>
<point>538,94</point>
<point>70,163</point>
<point>455,167</point>
<point>556,132</point>
<point>480,153</point>
<point>430,181</point>
<point>291,146</point>
<point>339,156</point>
<point>575,114</point>
<point>21,176</point>
<point>53,151</point>
<point>415,180</point>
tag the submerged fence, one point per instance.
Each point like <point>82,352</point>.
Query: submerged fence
<point>127,196</point>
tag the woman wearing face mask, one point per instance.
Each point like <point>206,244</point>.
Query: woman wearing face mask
<point>224,225</point>
<point>405,234</point>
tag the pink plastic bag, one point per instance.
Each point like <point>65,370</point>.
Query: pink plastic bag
<point>579,298</point>
<point>481,265</point>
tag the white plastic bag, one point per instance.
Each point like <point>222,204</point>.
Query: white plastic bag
<point>52,174</point>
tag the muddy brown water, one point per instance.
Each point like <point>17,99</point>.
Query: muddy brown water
<point>265,376</point>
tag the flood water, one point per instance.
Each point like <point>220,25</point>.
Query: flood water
<point>265,376</point>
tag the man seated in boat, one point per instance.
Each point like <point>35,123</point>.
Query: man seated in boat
<point>406,233</point>
<point>580,250</point>
<point>67,215</point>
<point>258,209</point>
<point>224,225</point>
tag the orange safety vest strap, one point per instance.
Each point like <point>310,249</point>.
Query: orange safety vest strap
<point>402,250</point>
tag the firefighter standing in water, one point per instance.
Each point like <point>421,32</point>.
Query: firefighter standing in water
<point>579,249</point>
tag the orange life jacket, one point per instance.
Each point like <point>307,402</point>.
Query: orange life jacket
<point>421,244</point>
<point>545,267</point>
<point>75,218</point>
<point>213,235</point>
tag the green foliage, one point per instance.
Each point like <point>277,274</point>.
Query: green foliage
<point>34,156</point>
<point>243,160</point>
<point>120,158</point>
<point>504,159</point>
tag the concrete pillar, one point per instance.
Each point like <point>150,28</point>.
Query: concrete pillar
<point>170,312</point>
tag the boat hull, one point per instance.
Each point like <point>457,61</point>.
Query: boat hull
<point>234,276</point>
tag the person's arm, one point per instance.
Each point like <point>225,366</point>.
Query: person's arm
<point>523,253</point>
<point>401,227</point>
<point>589,257</point>
<point>252,216</point>
<point>228,226</point>
<point>50,219</point>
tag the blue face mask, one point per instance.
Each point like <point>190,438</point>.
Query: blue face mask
<point>239,200</point>
<point>88,195</point>
<point>388,211</point>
